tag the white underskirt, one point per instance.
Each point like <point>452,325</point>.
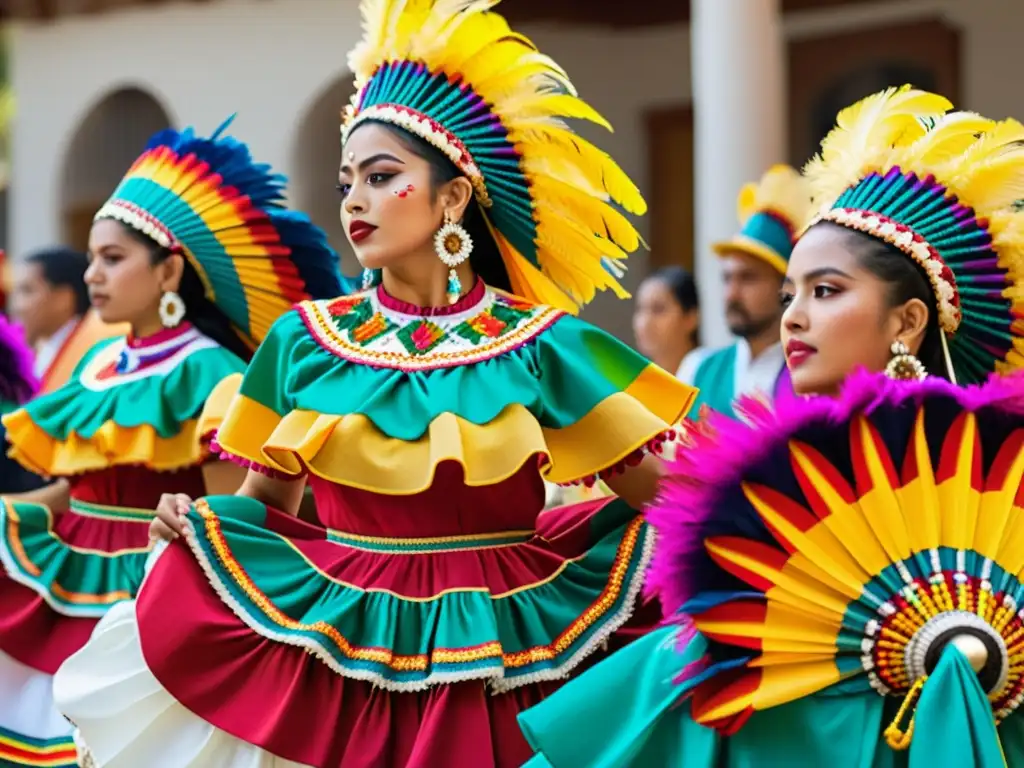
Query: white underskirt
<point>26,702</point>
<point>127,719</point>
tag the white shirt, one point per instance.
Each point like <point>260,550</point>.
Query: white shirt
<point>47,349</point>
<point>757,375</point>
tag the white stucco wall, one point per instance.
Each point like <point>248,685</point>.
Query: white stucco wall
<point>272,61</point>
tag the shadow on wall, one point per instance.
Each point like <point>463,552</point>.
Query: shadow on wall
<point>315,161</point>
<point>102,148</point>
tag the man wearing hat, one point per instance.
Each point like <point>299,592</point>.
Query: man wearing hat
<point>771,213</point>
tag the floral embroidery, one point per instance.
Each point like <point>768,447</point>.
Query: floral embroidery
<point>493,321</point>
<point>420,338</point>
<point>362,329</point>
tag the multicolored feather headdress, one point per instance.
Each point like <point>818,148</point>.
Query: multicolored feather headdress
<point>772,213</point>
<point>209,199</point>
<point>454,74</point>
<point>941,187</point>
<point>841,544</point>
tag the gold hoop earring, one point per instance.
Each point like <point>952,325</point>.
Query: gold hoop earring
<point>453,246</point>
<point>904,366</point>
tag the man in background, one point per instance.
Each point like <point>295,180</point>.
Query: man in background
<point>49,299</point>
<point>754,261</point>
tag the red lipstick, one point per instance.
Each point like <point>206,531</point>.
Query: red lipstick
<point>360,230</point>
<point>797,353</point>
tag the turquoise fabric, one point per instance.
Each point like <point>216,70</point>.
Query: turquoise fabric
<point>73,580</point>
<point>627,711</point>
<point>771,231</point>
<point>559,376</point>
<point>579,600</point>
<point>164,402</point>
<point>716,380</point>
<point>953,724</point>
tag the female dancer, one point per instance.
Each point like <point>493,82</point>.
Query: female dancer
<point>667,317</point>
<point>837,550</point>
<point>195,251</point>
<point>426,412</point>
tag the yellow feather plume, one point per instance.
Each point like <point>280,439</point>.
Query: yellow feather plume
<point>573,186</point>
<point>866,133</point>
<point>781,190</point>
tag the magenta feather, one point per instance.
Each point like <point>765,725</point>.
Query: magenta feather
<point>17,381</point>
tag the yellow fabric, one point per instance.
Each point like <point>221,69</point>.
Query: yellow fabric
<point>351,451</point>
<point>751,247</point>
<point>216,407</point>
<point>110,446</point>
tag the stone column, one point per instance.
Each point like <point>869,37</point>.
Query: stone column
<point>739,102</point>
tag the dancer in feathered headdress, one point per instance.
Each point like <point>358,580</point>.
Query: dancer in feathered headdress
<point>196,254</point>
<point>847,569</point>
<point>771,212</point>
<point>428,409</point>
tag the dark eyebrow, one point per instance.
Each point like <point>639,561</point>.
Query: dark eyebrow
<point>371,160</point>
<point>815,274</point>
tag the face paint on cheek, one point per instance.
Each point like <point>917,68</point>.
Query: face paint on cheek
<point>405,191</point>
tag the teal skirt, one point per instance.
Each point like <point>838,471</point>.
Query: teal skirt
<point>629,711</point>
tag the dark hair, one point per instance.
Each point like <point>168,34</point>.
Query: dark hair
<point>486,259</point>
<point>906,281</point>
<point>64,268</point>
<point>199,310</point>
<point>681,283</point>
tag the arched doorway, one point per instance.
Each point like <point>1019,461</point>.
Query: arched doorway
<point>315,162</point>
<point>104,145</point>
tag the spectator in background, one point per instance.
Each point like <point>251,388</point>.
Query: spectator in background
<point>50,301</point>
<point>667,317</point>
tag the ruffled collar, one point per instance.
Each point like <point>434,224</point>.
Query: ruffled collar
<point>477,295</point>
<point>140,353</point>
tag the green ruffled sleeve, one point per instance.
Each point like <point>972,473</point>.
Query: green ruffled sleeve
<point>95,421</point>
<point>570,394</point>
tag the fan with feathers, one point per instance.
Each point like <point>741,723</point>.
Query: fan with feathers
<point>841,546</point>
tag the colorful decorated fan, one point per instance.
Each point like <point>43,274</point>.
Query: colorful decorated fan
<point>454,74</point>
<point>208,197</point>
<point>842,544</point>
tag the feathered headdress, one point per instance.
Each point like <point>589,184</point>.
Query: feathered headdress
<point>209,199</point>
<point>941,187</point>
<point>772,213</point>
<point>455,75</point>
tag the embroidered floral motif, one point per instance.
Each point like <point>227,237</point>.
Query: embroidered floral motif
<point>361,329</point>
<point>494,321</point>
<point>375,326</point>
<point>420,338</point>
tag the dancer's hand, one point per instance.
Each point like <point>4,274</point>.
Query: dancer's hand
<point>169,513</point>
